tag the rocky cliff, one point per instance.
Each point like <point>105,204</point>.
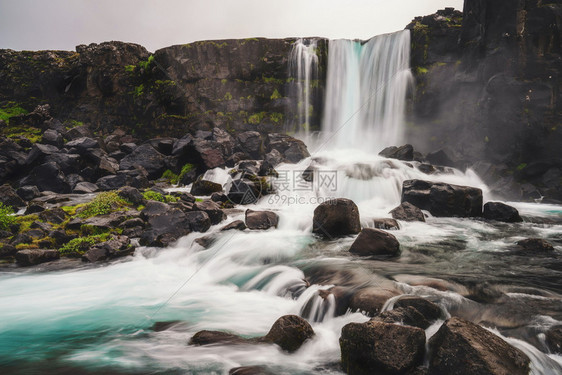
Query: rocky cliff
<point>487,91</point>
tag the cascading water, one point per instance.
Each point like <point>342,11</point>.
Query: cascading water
<point>303,68</point>
<point>99,319</point>
<point>366,92</point>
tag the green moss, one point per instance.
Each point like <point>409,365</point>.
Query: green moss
<point>272,80</point>
<point>130,68</point>
<point>521,166</point>
<point>275,95</point>
<point>256,118</point>
<point>171,199</point>
<point>170,176</point>
<point>224,81</point>
<point>153,196</point>
<point>79,246</point>
<point>103,204</point>
<point>6,216</point>
<point>185,170</point>
<point>276,117</point>
<point>10,111</point>
<point>420,70</point>
<point>25,221</point>
<point>138,90</point>
<point>228,96</point>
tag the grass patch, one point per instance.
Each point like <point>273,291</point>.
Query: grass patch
<point>79,246</point>
<point>103,204</point>
<point>8,112</point>
<point>6,216</point>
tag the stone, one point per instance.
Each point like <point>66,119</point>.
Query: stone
<point>375,242</point>
<point>28,193</point>
<point>32,257</point>
<point>9,197</point>
<point>428,309</point>
<point>52,137</point>
<point>501,212</point>
<point>82,144</point>
<point>117,246</point>
<point>47,177</point>
<point>553,339</point>
<point>203,187</point>
<point>198,221</point>
<point>148,158</point>
<point>54,215</point>
<point>132,195</point>
<point>236,224</point>
<point>215,337</point>
<point>381,348</point>
<point>535,245</point>
<point>337,217</point>
<point>68,163</point>
<point>443,200</point>
<point>405,152</point>
<point>407,212</point>
<point>261,220</point>
<point>244,191</point>
<point>289,332</point>
<point>386,224</point>
<point>216,215</point>
<point>250,143</point>
<point>404,315</point>
<point>39,152</point>
<point>85,188</point>
<point>249,370</point>
<point>462,347</point>
<point>370,300</point>
<point>7,250</point>
<point>34,208</point>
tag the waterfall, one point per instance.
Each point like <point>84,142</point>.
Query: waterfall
<point>303,68</point>
<point>366,92</point>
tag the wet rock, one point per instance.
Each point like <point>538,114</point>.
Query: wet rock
<point>117,246</point>
<point>501,212</point>
<point>208,153</point>
<point>535,245</point>
<point>78,132</point>
<point>429,310</point>
<point>85,188</point>
<point>289,332</point>
<point>39,152</point>
<point>405,152</point>
<point>82,144</point>
<point>261,220</point>
<point>461,347</point>
<point>132,195</point>
<point>7,250</point>
<point>206,241</point>
<point>244,191</point>
<point>216,215</point>
<point>148,158</point>
<point>337,217</point>
<point>380,348</point>
<point>236,224</point>
<point>164,326</point>
<point>250,143</point>
<point>198,221</point>
<point>131,223</point>
<point>444,200</point>
<point>47,177</point>
<point>386,224</point>
<point>407,212</point>
<point>54,215</point>
<point>375,242</point>
<point>553,339</point>
<point>52,137</point>
<point>440,157</point>
<point>370,300</point>
<point>154,208</point>
<point>403,315</point>
<point>296,152</point>
<point>35,256</point>
<point>28,193</point>
<point>292,149</point>
<point>204,187</point>
<point>68,163</point>
<point>249,370</point>
<point>273,158</point>
<point>9,197</point>
<point>215,337</point>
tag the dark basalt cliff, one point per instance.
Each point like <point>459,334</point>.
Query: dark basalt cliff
<point>487,91</point>
<point>239,85</point>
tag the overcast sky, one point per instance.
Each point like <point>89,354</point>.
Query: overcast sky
<point>63,24</point>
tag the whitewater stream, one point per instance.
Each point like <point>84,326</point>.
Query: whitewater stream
<point>99,319</point>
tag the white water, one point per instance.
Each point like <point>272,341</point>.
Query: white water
<point>100,318</point>
<point>303,67</point>
<point>366,91</point>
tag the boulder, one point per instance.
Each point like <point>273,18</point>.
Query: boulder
<point>54,215</point>
<point>9,197</point>
<point>407,212</point>
<point>216,337</point>
<point>47,177</point>
<point>132,195</point>
<point>236,224</point>
<point>36,256</point>
<point>380,348</point>
<point>375,242</point>
<point>429,310</point>
<point>166,224</point>
<point>82,144</point>
<point>146,157</point>
<point>386,224</point>
<point>462,347</point>
<point>244,191</point>
<point>208,153</point>
<point>68,163</point>
<point>85,188</point>
<point>216,215</point>
<point>535,245</point>
<point>7,250</point>
<point>370,300</point>
<point>249,370</point>
<point>28,193</point>
<point>405,152</point>
<point>251,143</point>
<point>289,332</point>
<point>34,208</point>
<point>117,246</point>
<point>501,212</point>
<point>204,187</point>
<point>261,219</point>
<point>553,339</point>
<point>198,221</point>
<point>337,217</point>
<point>404,315</point>
<point>444,200</point>
<point>39,152</point>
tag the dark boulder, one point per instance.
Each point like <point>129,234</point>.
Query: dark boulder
<point>293,150</point>
<point>501,212</point>
<point>28,193</point>
<point>216,215</point>
<point>82,144</point>
<point>132,195</point>
<point>380,348</point>
<point>289,332</point>
<point>370,300</point>
<point>216,337</point>
<point>198,221</point>
<point>204,187</point>
<point>39,152</point>
<point>85,188</point>
<point>405,152</point>
<point>68,163</point>
<point>461,347</point>
<point>428,309</point>
<point>208,153</point>
<point>296,152</point>
<point>442,199</point>
<point>9,197</point>
<point>117,246</point>
<point>407,212</point>
<point>261,219</point>
<point>244,191</point>
<point>337,217</point>
<point>553,339</point>
<point>47,177</point>
<point>166,224</point>
<point>404,315</point>
<point>7,250</point>
<point>52,137</point>
<point>35,256</point>
<point>249,370</point>
<point>386,224</point>
<point>251,143</point>
<point>375,242</point>
<point>34,208</point>
<point>537,245</point>
<point>146,157</point>
<point>236,224</point>
<point>54,215</point>
<point>154,208</point>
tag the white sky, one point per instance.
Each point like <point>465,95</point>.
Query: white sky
<point>63,24</point>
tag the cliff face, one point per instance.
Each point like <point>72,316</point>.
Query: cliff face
<point>487,90</point>
<point>235,84</point>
